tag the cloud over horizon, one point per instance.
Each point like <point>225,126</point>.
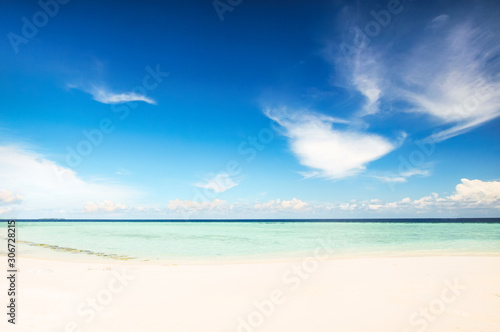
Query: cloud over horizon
<point>187,205</point>
<point>106,206</point>
<point>282,205</point>
<point>52,189</point>
<point>470,195</point>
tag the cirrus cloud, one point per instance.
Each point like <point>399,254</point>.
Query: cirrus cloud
<point>447,71</point>
<point>105,96</point>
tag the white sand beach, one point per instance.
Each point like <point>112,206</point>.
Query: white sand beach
<point>432,293</point>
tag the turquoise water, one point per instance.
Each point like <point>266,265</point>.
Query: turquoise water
<point>207,241</point>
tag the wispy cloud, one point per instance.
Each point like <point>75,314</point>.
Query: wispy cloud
<point>401,177</point>
<point>391,179</point>
<point>219,183</point>
<point>366,78</point>
<point>123,171</point>
<point>105,96</point>
<point>448,71</point>
<point>451,76</point>
<point>332,152</point>
<point>438,21</point>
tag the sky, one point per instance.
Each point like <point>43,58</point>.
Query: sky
<point>244,109</point>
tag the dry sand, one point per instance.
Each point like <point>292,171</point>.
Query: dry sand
<point>433,293</point>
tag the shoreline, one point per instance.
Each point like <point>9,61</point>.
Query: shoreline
<point>261,259</point>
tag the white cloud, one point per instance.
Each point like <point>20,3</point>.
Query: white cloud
<point>475,195</point>
<point>103,95</point>
<point>359,68</point>
<point>347,206</point>
<point>451,76</point>
<point>282,205</point>
<point>401,177</point>
<point>47,187</point>
<point>215,205</point>
<point>107,97</point>
<point>415,171</point>
<point>367,80</point>
<point>391,179</point>
<point>7,197</point>
<point>219,183</point>
<point>334,153</point>
<point>449,72</point>
<point>106,206</point>
<point>470,198</point>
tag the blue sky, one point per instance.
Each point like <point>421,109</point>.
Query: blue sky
<point>239,109</point>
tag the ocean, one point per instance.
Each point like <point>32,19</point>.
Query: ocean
<point>254,240</point>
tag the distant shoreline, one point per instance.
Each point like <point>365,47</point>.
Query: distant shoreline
<point>378,220</point>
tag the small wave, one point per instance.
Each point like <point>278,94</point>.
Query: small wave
<point>78,251</point>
